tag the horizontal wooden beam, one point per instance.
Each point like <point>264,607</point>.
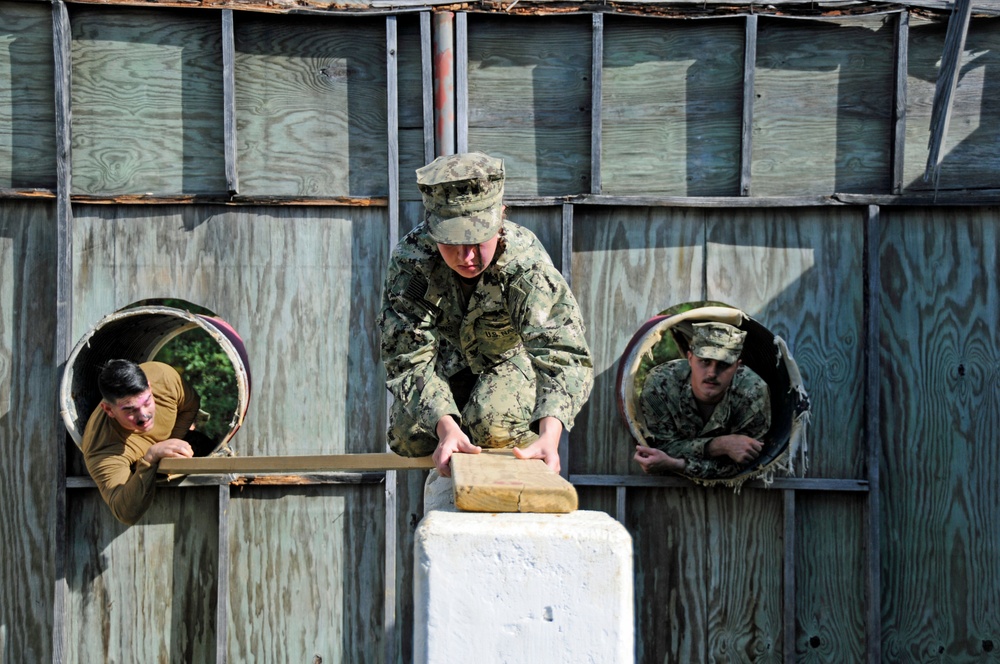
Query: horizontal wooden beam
<point>292,464</point>
<point>674,481</point>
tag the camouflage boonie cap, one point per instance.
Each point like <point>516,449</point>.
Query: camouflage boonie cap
<point>463,197</point>
<point>717,341</point>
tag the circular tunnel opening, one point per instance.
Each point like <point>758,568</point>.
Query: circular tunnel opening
<point>205,349</point>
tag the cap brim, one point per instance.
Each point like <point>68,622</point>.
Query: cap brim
<point>468,229</point>
<point>720,354</point>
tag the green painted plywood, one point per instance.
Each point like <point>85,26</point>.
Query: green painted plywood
<point>145,593</point>
<point>970,158</point>
<point>939,412</point>
<point>311,106</point>
<point>306,574</point>
<point>300,285</point>
<point>799,273</point>
<point>672,107</point>
<point>821,112</point>
<point>529,100</point>
<point>29,429</point>
<point>147,102</point>
<point>628,265</point>
<point>27,105</point>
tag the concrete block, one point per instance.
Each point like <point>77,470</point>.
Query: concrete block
<point>522,588</point>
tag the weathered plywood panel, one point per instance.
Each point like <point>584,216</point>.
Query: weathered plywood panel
<point>799,272</point>
<point>29,429</point>
<point>970,156</point>
<point>672,107</point>
<point>27,104</point>
<point>306,574</point>
<point>529,100</point>
<point>940,412</point>
<point>301,286</point>
<point>830,601</point>
<point>546,223</point>
<point>409,512</point>
<point>411,106</point>
<point>674,560</point>
<point>145,593</point>
<point>311,106</point>
<point>147,102</point>
<point>742,561</point>
<point>628,265</point>
<point>822,111</point>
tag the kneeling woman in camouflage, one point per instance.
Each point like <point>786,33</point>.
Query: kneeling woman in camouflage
<point>482,339</point>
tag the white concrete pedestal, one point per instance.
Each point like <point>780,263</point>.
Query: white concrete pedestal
<point>522,588</point>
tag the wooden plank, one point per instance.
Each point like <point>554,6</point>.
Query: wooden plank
<point>618,252</point>
<point>229,101</point>
<point>121,576</point>
<point>969,158</point>
<point>294,464</point>
<point>796,272</point>
<point>671,107</point>
<point>529,100</point>
<point>596,103</point>
<point>311,106</point>
<point>746,127</point>
<point>817,484</point>
<point>222,579</point>
<point>823,113</point>
<point>789,577</point>
<point>296,283</point>
<point>147,102</point>
<point>27,121</point>
<point>944,90</point>
<point>414,123</point>
<point>307,574</point>
<point>497,481</point>
<point>902,44</point>
<point>873,425</point>
<point>461,82</point>
<point>938,358</point>
<point>29,283</point>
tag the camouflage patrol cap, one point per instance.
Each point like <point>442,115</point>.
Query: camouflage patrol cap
<point>463,197</point>
<point>717,341</point>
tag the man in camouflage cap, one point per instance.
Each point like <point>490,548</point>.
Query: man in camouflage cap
<point>482,339</point>
<point>707,414</point>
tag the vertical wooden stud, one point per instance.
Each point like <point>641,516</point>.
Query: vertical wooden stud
<point>873,380</point>
<point>596,78</point>
<point>899,109</point>
<point>620,504</point>
<point>566,260</point>
<point>222,583</point>
<point>788,573</point>
<point>944,92</point>
<point>61,40</point>
<point>462,81</point>
<point>229,100</point>
<point>427,85</point>
<point>749,66</point>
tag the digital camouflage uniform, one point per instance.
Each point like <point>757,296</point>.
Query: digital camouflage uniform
<point>671,414</point>
<point>512,353</point>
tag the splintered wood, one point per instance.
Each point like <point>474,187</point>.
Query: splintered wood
<point>500,482</point>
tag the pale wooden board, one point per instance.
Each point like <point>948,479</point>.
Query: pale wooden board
<point>147,102</point>
<point>318,463</point>
<point>500,482</point>
<point>671,109</point>
<point>822,112</point>
<point>311,106</point>
<point>27,105</point>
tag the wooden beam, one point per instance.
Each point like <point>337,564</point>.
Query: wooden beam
<point>746,130</point>
<point>954,44</point>
<point>497,481</point>
<point>596,103</point>
<point>292,464</point>
<point>229,100</point>
<point>873,432</point>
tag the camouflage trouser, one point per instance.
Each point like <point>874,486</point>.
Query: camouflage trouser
<point>496,410</point>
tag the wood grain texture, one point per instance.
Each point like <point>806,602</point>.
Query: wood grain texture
<point>970,160</point>
<point>546,223</point>
<point>147,102</point>
<point>147,592</point>
<point>317,463</point>
<point>940,411</point>
<point>830,589</point>
<point>822,113</point>
<point>628,265</point>
<point>307,570</point>
<point>300,285</point>
<point>27,104</point>
<point>28,427</point>
<point>529,100</point>
<point>673,559</point>
<point>311,106</point>
<point>500,482</point>
<point>744,576</point>
<point>799,273</point>
<point>409,512</point>
<point>671,101</point>
<point>411,113</point>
